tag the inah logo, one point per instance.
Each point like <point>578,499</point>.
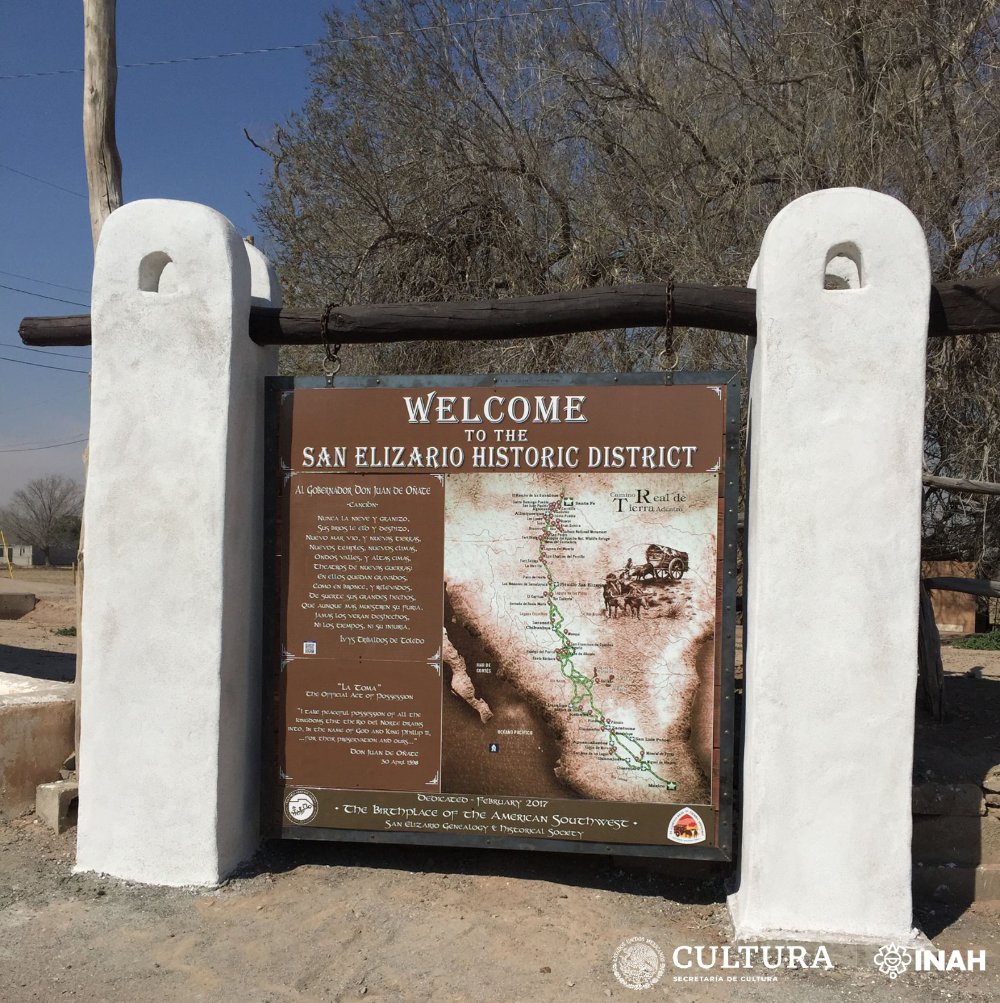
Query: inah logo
<point>301,806</point>
<point>638,963</point>
<point>892,960</point>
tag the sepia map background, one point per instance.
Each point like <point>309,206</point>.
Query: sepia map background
<point>556,692</point>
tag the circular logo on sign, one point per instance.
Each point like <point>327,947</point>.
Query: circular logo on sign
<point>301,806</point>
<point>638,963</point>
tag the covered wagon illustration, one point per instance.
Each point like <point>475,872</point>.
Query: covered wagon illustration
<point>663,562</point>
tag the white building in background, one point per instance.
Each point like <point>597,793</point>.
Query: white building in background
<point>24,555</point>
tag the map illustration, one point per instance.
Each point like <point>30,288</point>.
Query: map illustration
<point>579,635</point>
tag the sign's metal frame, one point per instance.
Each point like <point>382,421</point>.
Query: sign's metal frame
<point>272,816</point>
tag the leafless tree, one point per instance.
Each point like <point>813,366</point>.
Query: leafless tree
<point>471,150</point>
<point>44,514</point>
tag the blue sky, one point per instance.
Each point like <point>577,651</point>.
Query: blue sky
<point>180,134</point>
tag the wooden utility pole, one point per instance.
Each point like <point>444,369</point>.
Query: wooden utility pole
<point>104,185</point>
<point>100,81</point>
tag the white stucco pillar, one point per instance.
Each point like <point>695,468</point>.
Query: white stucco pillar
<point>169,752</point>
<point>833,552</point>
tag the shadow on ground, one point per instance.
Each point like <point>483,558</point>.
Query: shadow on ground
<point>703,885</point>
<point>54,666</point>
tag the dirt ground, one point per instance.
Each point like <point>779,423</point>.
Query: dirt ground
<point>312,921</point>
<point>339,922</point>
<point>30,646</point>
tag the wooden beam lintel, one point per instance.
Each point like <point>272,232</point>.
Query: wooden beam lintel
<point>956,308</point>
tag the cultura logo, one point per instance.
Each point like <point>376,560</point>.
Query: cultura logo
<point>749,956</point>
<point>892,960</point>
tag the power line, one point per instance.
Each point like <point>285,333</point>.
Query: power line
<point>42,296</point>
<point>39,365</point>
<point>169,62</point>
<point>43,282</point>
<point>41,181</point>
<point>51,445</point>
<point>34,445</point>
<point>345,40</point>
<point>43,351</point>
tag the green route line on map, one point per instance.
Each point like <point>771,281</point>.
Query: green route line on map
<point>622,747</point>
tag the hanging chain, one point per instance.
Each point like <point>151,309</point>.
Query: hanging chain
<point>668,355</point>
<point>332,362</point>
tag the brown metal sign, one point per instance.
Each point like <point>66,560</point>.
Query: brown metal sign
<point>503,613</point>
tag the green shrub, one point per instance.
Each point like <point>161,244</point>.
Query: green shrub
<point>65,631</point>
<point>980,642</point>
